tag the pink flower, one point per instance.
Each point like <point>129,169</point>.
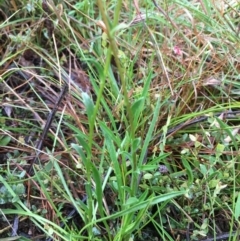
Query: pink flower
<point>177,51</point>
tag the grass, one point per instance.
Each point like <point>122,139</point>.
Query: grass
<point>145,143</point>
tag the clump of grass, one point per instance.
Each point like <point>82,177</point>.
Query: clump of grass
<point>144,145</point>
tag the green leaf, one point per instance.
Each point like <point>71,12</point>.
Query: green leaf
<point>4,140</point>
<point>83,143</point>
<point>49,166</point>
<point>188,170</point>
<point>118,27</point>
<point>109,133</point>
<point>19,189</point>
<point>137,109</point>
<point>131,201</point>
<point>136,144</point>
<point>237,208</point>
<point>15,199</point>
<point>88,105</point>
<point>150,131</point>
<point>219,149</point>
<point>79,150</point>
<point>148,176</point>
<point>98,183</point>
<point>147,83</point>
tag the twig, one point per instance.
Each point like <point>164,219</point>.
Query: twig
<point>47,127</point>
<point>220,237</point>
<point>227,115</point>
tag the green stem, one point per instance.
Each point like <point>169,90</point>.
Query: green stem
<point>114,49</point>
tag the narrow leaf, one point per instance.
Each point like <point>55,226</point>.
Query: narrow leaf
<point>237,208</point>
